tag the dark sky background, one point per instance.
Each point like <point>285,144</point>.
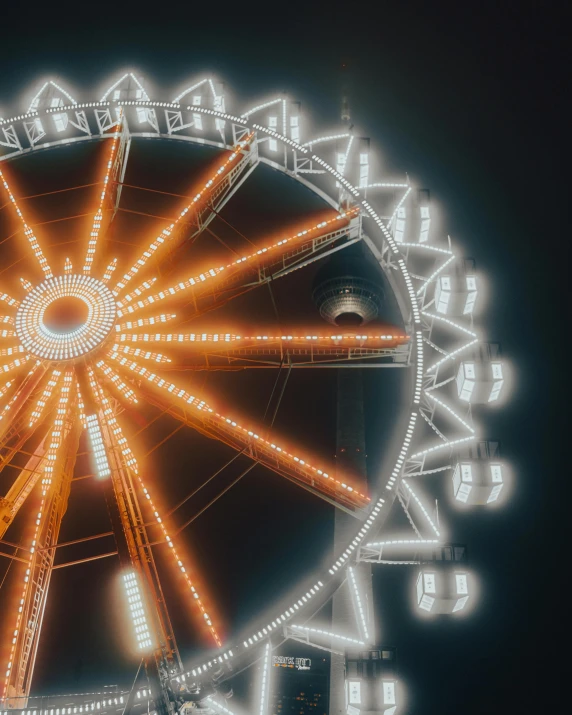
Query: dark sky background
<point>469,100</point>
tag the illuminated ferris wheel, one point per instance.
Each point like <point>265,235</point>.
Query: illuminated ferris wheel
<point>84,343</point>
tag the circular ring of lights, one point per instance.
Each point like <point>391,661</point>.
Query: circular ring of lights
<point>426,300</point>
<point>47,344</point>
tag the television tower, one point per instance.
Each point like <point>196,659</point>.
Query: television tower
<point>348,293</point>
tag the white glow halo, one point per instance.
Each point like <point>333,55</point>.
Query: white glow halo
<point>47,344</point>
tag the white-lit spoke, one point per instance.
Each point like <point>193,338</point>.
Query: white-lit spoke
<point>452,355</point>
<point>188,213</point>
<point>359,605</point>
<point>422,508</point>
<point>329,635</point>
<point>450,410</point>
<point>98,218</point>
<point>28,232</point>
<point>435,274</point>
<point>265,681</point>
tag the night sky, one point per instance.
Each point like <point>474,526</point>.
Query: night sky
<point>468,101</point>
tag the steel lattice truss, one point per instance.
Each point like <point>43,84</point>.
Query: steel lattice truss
<point>129,344</point>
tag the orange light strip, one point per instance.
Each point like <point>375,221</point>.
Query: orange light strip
<point>28,232</point>
<point>243,433</point>
<point>56,439</point>
<point>45,396</point>
<point>226,338</point>
<point>98,218</point>
<point>57,432</point>
<point>13,351</point>
<point>166,232</point>
<point>143,288</point>
<point>109,271</point>
<point>16,363</point>
<point>138,352</point>
<point>142,322</point>
<point>112,423</point>
<point>68,268</point>
<point>196,598</point>
<point>4,388</point>
<point>110,373</point>
<point>5,298</point>
<point>13,365</point>
<point>251,258</point>
<point>81,406</point>
<point>6,332</point>
<point>132,463</point>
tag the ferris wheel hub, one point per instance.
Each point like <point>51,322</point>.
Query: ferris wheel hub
<point>65,317</point>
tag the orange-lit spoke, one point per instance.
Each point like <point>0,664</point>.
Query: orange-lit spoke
<point>27,585</point>
<point>58,430</point>
<point>192,207</point>
<point>109,271</point>
<point>4,369</point>
<point>5,298</point>
<point>197,602</point>
<point>28,232</point>
<point>111,421</point>
<point>138,352</point>
<point>54,442</point>
<point>98,218</point>
<point>6,332</point>
<point>16,350</point>
<point>80,406</point>
<point>137,292</point>
<point>306,471</point>
<point>199,340</point>
<point>68,267</point>
<point>131,462</point>
<point>142,322</point>
<point>263,255</point>
<point>4,388</point>
<point>111,375</point>
<point>7,368</point>
<point>47,392</point>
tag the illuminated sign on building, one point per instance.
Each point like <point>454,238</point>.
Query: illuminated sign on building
<point>281,661</point>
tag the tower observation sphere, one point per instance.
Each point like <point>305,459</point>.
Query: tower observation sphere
<point>347,291</point>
